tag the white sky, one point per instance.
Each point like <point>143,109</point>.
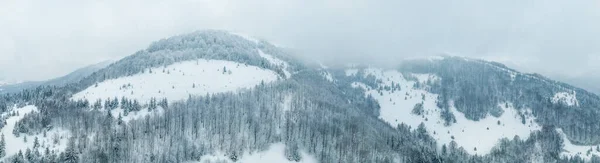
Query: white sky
<point>40,39</point>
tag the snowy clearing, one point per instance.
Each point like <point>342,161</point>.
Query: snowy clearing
<point>569,99</point>
<point>396,108</point>
<point>179,80</point>
<point>275,154</point>
<point>55,139</point>
<point>572,150</point>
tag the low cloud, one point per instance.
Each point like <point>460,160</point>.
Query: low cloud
<point>41,39</point>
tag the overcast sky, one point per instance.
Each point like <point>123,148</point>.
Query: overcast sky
<point>40,39</point>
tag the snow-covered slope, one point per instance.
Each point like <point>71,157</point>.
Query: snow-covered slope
<point>55,139</point>
<point>583,151</point>
<point>278,62</point>
<point>179,80</point>
<point>397,106</point>
<point>275,154</point>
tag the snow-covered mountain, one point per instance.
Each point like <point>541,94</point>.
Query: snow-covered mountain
<point>220,96</point>
<point>7,82</point>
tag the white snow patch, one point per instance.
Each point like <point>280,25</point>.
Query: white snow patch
<point>569,99</point>
<point>56,138</point>
<point>327,76</point>
<point>396,108</point>
<point>179,80</point>
<point>360,85</point>
<point>133,115</point>
<point>423,78</point>
<point>217,157</point>
<point>275,154</point>
<point>277,62</point>
<point>323,66</point>
<point>513,76</point>
<point>287,102</point>
<point>572,150</point>
<point>351,72</point>
<point>435,58</point>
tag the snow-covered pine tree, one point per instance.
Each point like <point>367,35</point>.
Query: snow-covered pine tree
<point>2,146</point>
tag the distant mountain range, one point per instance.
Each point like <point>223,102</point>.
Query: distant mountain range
<point>74,76</point>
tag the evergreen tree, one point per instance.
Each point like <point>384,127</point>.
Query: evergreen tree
<point>29,155</point>
<point>2,146</point>
<point>97,105</point>
<point>36,143</point>
<point>70,154</point>
<point>18,158</point>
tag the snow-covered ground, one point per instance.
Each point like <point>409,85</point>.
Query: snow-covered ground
<point>396,107</point>
<point>179,80</point>
<point>567,98</point>
<point>284,65</point>
<point>351,72</point>
<point>327,76</point>
<point>133,115</point>
<point>56,139</point>
<point>287,103</point>
<point>275,154</point>
<point>571,149</point>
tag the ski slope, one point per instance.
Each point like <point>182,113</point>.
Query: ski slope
<point>55,139</point>
<point>275,154</point>
<point>178,81</point>
<point>396,108</point>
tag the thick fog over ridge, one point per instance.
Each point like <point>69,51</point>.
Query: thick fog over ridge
<point>42,40</point>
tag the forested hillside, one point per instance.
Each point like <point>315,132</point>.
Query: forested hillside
<point>216,96</point>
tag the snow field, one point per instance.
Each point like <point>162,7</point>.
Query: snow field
<point>572,150</point>
<point>275,154</point>
<point>476,137</point>
<point>178,81</point>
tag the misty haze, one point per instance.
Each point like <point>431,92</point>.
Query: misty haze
<point>224,81</point>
